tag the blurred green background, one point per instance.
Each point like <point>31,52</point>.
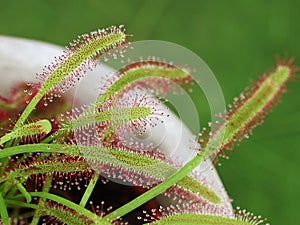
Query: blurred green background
<point>238,40</point>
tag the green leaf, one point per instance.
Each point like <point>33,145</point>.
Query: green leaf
<point>249,112</point>
<point>141,71</point>
<point>201,219</point>
<point>63,214</point>
<point>28,130</point>
<point>144,164</point>
<point>70,67</point>
<point>79,209</point>
<point>126,160</point>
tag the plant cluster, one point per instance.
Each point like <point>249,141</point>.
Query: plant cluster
<point>56,160</point>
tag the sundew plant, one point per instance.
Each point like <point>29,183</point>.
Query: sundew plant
<point>57,161</point>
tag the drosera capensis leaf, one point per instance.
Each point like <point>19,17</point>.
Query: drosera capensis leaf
<point>45,167</point>
<point>249,111</point>
<point>36,128</point>
<point>143,164</point>
<point>202,219</point>
<point>144,71</point>
<point>132,112</point>
<point>79,209</point>
<point>80,53</point>
<point>120,116</point>
<point>127,160</point>
<point>70,67</point>
<point>63,214</point>
<point>60,165</point>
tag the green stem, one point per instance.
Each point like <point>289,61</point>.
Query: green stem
<point>24,192</point>
<point>184,171</point>
<point>3,211</point>
<point>32,148</point>
<point>30,107</point>
<point>89,189</point>
<point>21,204</point>
<point>79,209</point>
<point>41,204</point>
